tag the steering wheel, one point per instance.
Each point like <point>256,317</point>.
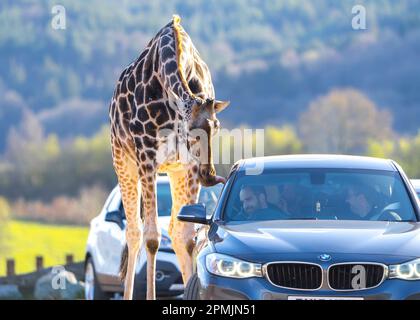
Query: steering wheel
<point>387,215</point>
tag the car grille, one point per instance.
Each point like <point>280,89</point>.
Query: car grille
<point>295,275</point>
<point>340,277</point>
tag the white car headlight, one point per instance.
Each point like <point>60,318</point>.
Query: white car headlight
<point>406,271</point>
<point>227,266</point>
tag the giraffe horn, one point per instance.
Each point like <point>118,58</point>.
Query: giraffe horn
<point>176,19</point>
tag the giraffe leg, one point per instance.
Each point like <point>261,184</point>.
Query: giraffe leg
<point>184,189</point>
<point>152,232</point>
<point>127,174</point>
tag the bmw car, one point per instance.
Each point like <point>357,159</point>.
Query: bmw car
<point>309,227</point>
<point>106,242</point>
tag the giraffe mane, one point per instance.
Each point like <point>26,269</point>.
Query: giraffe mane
<point>178,38</point>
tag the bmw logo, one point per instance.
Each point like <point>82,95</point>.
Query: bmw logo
<point>324,257</point>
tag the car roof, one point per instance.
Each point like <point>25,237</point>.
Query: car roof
<point>318,161</point>
<point>162,178</point>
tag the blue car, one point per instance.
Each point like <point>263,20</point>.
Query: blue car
<point>310,227</point>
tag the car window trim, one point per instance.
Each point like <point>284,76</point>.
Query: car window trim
<point>226,194</point>
<point>412,194</point>
<point>110,199</point>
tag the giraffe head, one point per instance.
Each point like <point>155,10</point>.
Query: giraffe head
<point>202,126</point>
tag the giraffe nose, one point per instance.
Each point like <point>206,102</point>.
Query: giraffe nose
<point>208,177</point>
<point>207,170</point>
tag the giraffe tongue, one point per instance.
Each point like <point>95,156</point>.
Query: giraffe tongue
<point>215,180</point>
<point>211,180</point>
<point>219,179</point>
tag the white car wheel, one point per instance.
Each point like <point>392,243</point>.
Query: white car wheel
<point>93,289</point>
<point>89,281</point>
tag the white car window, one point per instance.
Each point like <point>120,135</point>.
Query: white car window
<point>114,204</point>
<point>108,200</point>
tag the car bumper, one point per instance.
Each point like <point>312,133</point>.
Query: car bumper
<point>168,277</point>
<point>221,288</point>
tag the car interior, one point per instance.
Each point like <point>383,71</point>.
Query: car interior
<point>320,195</point>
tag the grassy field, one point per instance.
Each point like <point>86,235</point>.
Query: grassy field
<point>23,241</point>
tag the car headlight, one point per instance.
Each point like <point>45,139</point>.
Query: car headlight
<point>406,271</point>
<point>165,243</point>
<point>227,266</point>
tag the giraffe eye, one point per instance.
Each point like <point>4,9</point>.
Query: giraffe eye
<point>192,138</point>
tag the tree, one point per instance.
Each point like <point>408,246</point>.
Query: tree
<point>4,210</point>
<point>342,122</point>
<point>12,108</point>
<point>28,153</point>
<point>281,141</point>
<point>274,141</point>
<point>406,151</point>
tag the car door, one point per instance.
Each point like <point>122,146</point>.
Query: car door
<point>111,238</point>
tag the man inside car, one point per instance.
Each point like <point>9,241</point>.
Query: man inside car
<point>255,205</point>
<point>364,204</point>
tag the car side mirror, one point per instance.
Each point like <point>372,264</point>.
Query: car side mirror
<point>195,213</point>
<point>116,217</point>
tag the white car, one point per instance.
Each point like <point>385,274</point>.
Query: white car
<point>106,242</point>
<point>416,185</point>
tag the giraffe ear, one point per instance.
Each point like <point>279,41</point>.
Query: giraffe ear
<point>220,105</point>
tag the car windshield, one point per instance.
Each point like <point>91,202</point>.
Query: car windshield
<point>208,196</point>
<point>330,194</point>
<point>164,199</point>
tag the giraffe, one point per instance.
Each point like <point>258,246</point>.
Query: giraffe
<point>168,87</point>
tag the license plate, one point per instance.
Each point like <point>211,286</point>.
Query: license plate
<point>322,298</point>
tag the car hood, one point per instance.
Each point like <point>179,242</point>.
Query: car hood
<point>279,239</point>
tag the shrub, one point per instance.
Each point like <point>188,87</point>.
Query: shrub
<point>4,210</point>
<point>63,209</point>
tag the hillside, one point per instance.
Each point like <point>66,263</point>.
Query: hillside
<point>275,55</point>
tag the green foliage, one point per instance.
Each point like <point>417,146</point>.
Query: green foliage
<point>406,151</point>
<point>39,167</point>
<point>342,122</point>
<point>284,53</point>
<point>233,145</point>
<point>281,141</point>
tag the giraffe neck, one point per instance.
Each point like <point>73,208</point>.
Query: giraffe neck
<point>158,91</point>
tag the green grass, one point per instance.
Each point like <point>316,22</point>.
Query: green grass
<point>24,240</point>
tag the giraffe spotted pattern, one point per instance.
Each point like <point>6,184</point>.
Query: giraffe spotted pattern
<point>168,87</point>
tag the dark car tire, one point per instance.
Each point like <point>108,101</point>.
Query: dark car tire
<point>98,293</point>
<point>191,291</point>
